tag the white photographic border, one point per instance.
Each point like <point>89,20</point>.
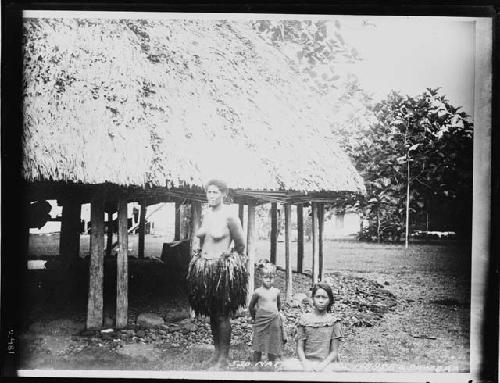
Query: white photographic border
<point>481,214</point>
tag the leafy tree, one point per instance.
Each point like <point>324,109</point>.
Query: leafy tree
<point>312,42</point>
<point>421,145</point>
<point>317,49</point>
<point>424,136</point>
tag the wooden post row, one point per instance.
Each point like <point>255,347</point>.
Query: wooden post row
<point>321,214</point>
<point>109,236</point>
<point>69,242</point>
<point>315,244</point>
<point>122,267</point>
<point>300,238</point>
<point>194,241</point>
<point>96,269</point>
<point>185,228</point>
<point>288,265</point>
<point>142,230</point>
<point>177,230</point>
<point>23,259</point>
<point>251,250</point>
<point>241,213</point>
<point>274,231</point>
<point>195,225</point>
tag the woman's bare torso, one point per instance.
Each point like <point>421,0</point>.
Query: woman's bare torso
<point>215,233</point>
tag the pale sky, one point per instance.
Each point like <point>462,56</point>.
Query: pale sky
<point>412,54</point>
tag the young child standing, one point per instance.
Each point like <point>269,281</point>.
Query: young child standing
<point>319,334</point>
<point>264,307</point>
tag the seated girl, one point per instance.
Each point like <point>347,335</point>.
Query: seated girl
<point>319,334</point>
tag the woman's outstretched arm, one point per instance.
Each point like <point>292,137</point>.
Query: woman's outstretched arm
<point>236,233</point>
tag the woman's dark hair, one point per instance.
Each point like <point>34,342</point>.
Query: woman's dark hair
<point>221,185</point>
<point>329,292</point>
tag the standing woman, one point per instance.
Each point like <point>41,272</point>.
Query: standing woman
<point>217,275</point>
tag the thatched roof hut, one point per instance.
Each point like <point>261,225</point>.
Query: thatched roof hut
<point>172,103</point>
<point>148,110</point>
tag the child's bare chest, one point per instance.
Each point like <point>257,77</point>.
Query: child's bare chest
<point>268,294</point>
<point>268,299</point>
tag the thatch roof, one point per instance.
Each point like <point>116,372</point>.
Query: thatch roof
<point>172,103</point>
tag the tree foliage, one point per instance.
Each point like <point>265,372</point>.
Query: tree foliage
<point>313,42</point>
<point>434,139</point>
<point>425,133</point>
<point>318,50</point>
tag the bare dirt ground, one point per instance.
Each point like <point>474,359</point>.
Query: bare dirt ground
<point>402,312</point>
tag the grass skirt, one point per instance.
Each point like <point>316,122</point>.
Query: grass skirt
<point>217,286</point>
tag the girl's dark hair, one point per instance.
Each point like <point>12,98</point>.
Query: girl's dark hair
<point>221,185</point>
<point>267,269</point>
<point>329,292</point>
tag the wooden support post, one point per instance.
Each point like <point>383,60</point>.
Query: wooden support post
<point>300,238</point>
<point>142,230</point>
<point>361,219</point>
<point>321,214</point>
<point>251,250</point>
<point>69,245</point>
<point>195,225</point>
<point>274,231</point>
<point>177,231</point>
<point>109,236</point>
<point>241,214</point>
<point>185,226</point>
<point>96,270</point>
<point>288,263</point>
<point>122,267</point>
<point>69,242</point>
<point>25,245</point>
<point>315,243</point>
<point>194,241</point>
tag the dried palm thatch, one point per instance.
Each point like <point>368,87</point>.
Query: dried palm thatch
<point>217,284</point>
<point>172,103</point>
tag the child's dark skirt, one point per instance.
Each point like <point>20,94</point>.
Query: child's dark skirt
<point>217,285</point>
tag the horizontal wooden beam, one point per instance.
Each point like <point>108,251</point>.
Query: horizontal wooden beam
<point>82,193</point>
